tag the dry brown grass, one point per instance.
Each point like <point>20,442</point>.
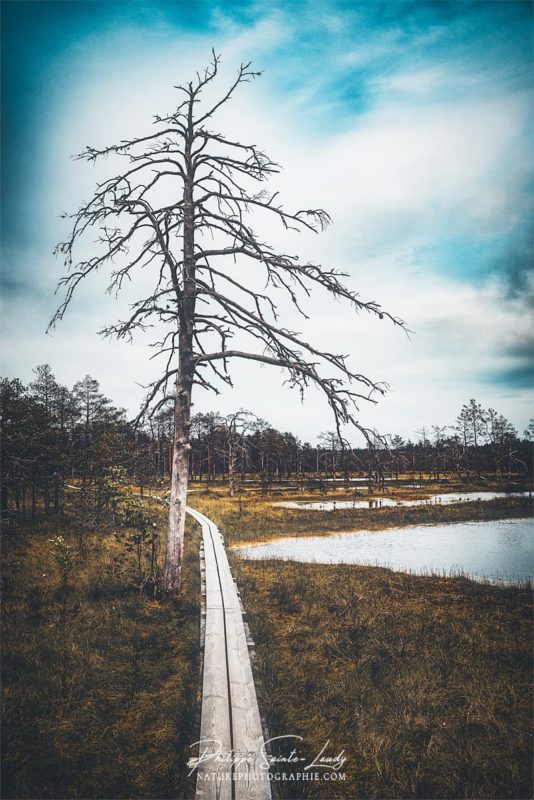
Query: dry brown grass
<point>424,681</point>
<point>100,684</point>
<point>257,518</point>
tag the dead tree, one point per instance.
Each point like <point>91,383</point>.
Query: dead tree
<point>235,427</point>
<point>180,208</point>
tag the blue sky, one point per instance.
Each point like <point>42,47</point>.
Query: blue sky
<point>411,119</point>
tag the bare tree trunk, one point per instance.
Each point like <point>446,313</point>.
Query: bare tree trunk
<point>58,492</point>
<point>178,497</point>
<point>184,381</point>
<point>34,498</point>
<point>231,468</point>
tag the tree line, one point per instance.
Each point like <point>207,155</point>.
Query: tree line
<point>55,438</point>
<point>52,434</point>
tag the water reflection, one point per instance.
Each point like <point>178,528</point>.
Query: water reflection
<point>388,502</point>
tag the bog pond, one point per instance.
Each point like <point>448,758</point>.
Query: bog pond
<point>388,502</point>
<point>499,550</point>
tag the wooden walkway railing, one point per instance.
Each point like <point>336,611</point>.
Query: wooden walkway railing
<point>230,721</point>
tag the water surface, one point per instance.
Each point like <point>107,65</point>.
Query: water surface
<point>496,550</point>
<point>388,502</point>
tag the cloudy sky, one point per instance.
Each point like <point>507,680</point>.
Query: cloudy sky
<point>408,121</point>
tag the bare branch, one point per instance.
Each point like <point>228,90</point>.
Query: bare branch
<point>183,184</point>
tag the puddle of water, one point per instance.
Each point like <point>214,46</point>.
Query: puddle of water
<point>388,502</point>
<point>500,550</point>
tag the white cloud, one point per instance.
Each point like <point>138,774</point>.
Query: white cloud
<point>403,180</point>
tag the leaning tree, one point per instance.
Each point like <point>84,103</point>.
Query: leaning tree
<point>180,208</point>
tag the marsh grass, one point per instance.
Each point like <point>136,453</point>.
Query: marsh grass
<point>425,682</point>
<point>259,518</point>
<point>100,682</point>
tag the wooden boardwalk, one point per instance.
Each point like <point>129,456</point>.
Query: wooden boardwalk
<point>230,720</point>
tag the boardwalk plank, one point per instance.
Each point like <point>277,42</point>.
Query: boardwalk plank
<point>230,711</point>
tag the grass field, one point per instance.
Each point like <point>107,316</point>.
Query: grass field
<point>424,682</point>
<point>100,683</point>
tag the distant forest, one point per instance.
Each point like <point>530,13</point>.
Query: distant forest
<point>53,436</point>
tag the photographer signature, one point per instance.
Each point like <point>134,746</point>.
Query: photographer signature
<point>211,750</point>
